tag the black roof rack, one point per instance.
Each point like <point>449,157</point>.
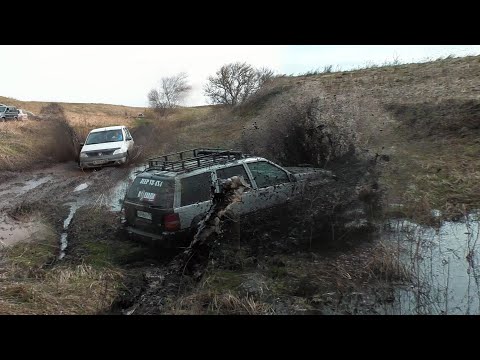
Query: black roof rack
<point>192,159</point>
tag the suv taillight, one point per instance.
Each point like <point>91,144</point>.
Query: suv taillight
<point>171,222</point>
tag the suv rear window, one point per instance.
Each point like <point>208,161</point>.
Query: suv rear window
<point>196,188</point>
<point>153,191</point>
<point>237,170</point>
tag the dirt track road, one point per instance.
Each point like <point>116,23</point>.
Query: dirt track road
<point>54,188</point>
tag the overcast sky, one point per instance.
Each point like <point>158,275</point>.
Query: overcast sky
<point>124,74</point>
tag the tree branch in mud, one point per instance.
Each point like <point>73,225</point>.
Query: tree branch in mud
<point>231,191</point>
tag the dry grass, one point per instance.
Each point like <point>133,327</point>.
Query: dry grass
<point>304,282</point>
<point>29,143</point>
<point>384,264</point>
<point>441,175</point>
<point>425,117</point>
<point>106,110</point>
<point>62,290</point>
<point>31,282</point>
<point>22,142</point>
<point>213,303</point>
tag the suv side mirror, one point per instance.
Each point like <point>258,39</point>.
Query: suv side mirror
<point>128,138</point>
<point>81,144</point>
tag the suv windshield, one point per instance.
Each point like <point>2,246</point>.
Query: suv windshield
<point>154,191</point>
<point>99,137</point>
<point>2,108</point>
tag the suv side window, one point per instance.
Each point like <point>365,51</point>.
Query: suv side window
<point>196,188</point>
<point>237,170</point>
<point>127,133</point>
<point>266,174</point>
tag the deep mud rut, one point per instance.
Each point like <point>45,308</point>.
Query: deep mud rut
<point>62,186</point>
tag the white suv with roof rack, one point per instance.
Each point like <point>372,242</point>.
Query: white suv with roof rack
<point>167,200</point>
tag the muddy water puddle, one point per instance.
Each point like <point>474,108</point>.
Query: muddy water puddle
<point>104,189</point>
<point>20,188</point>
<point>115,197</point>
<point>444,264</point>
<point>81,187</point>
<point>64,236</point>
<point>12,231</point>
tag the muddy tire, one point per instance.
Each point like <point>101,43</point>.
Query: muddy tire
<point>127,160</point>
<point>3,119</point>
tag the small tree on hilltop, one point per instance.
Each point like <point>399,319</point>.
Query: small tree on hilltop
<point>172,91</point>
<point>234,83</point>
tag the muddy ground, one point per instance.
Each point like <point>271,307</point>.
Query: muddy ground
<point>57,189</point>
<point>63,249</point>
<point>315,257</point>
<point>306,259</point>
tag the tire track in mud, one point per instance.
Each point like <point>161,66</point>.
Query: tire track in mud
<point>51,190</point>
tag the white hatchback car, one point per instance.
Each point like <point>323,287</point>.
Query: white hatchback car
<point>106,146</point>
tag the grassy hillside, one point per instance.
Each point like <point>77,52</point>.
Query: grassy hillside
<point>424,118</point>
<point>78,111</point>
<point>419,123</point>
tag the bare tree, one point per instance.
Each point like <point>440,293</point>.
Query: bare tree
<point>234,83</point>
<point>171,93</point>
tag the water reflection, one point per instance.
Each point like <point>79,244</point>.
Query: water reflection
<point>444,264</point>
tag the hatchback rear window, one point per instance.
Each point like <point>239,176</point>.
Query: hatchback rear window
<point>153,191</point>
<point>196,188</point>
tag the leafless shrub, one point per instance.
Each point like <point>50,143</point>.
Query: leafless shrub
<point>235,82</point>
<point>327,69</point>
<point>173,89</point>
